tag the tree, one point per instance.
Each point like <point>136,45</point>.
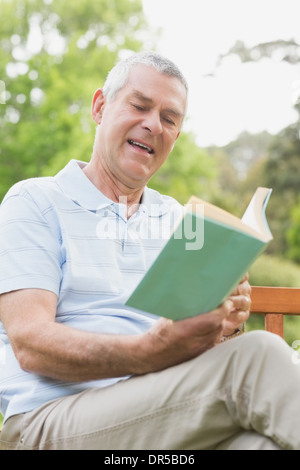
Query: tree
<point>53,55</point>
<point>281,166</point>
<point>286,50</point>
<point>293,234</point>
<point>188,170</point>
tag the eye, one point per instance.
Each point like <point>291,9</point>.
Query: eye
<point>169,121</point>
<point>138,107</point>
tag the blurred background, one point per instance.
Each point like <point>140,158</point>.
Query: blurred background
<point>242,60</point>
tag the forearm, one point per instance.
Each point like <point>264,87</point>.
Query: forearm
<point>63,353</point>
<point>60,352</point>
<point>46,347</point>
<point>66,354</point>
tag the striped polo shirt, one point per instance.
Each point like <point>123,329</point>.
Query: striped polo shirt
<point>62,234</point>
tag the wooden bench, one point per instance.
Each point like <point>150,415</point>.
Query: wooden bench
<point>274,303</point>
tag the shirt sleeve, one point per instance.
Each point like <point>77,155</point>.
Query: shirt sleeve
<point>30,247</point>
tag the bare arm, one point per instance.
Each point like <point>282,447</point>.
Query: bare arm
<point>46,347</point>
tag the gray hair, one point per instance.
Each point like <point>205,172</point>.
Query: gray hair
<point>118,75</point>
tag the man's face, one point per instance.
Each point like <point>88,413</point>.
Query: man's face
<point>138,129</point>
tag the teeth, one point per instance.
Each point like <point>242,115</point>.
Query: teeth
<point>138,144</point>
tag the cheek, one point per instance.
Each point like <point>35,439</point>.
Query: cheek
<point>170,142</point>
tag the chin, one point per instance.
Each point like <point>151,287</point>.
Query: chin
<point>138,173</point>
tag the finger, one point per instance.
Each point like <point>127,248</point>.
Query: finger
<point>243,288</point>
<point>245,278</point>
<point>241,302</point>
<point>237,318</point>
<point>235,321</point>
<point>206,323</point>
<point>224,310</point>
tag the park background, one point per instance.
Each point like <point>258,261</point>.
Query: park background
<point>242,60</point>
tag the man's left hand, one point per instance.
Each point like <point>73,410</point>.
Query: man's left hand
<point>241,307</point>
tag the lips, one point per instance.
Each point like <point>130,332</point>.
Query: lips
<point>141,145</point>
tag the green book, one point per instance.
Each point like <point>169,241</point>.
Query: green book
<point>207,255</point>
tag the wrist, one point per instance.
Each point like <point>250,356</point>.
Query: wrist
<point>237,332</point>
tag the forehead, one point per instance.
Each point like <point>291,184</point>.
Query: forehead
<point>145,82</point>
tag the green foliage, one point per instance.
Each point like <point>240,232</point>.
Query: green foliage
<point>280,166</point>
<point>224,190</point>
<point>273,271</point>
<point>281,172</point>
<point>188,170</point>
<point>264,160</point>
<point>293,234</point>
<point>240,169</point>
<point>53,55</point>
<point>246,150</point>
<point>46,119</point>
<point>291,325</point>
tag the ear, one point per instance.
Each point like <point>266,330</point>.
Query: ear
<point>97,105</point>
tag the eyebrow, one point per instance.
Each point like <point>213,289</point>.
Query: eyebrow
<point>146,99</point>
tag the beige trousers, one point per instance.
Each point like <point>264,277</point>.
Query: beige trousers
<point>242,394</point>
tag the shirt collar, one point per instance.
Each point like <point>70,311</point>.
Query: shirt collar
<point>153,203</point>
<point>75,184</point>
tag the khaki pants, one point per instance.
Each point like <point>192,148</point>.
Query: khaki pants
<point>242,394</point>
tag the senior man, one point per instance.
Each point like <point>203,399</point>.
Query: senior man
<point>82,370</point>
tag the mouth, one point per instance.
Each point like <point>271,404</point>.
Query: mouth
<point>140,145</point>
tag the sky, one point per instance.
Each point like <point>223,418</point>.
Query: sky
<point>239,96</point>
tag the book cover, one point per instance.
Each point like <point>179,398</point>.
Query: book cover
<point>205,258</point>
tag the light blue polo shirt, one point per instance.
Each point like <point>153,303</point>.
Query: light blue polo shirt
<point>63,235</point>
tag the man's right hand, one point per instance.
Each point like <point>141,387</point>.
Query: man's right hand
<point>171,342</point>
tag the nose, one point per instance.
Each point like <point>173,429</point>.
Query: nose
<point>152,123</point>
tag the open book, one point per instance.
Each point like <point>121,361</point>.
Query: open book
<point>205,258</point>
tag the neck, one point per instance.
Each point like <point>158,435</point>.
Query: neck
<point>112,188</point>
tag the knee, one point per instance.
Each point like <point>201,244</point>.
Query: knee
<point>261,337</point>
<point>263,343</point>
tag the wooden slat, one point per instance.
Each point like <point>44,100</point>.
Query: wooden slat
<point>275,302</point>
<point>274,323</point>
<point>285,300</point>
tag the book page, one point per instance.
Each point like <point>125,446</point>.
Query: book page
<point>215,213</point>
<point>254,215</point>
<point>253,221</point>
